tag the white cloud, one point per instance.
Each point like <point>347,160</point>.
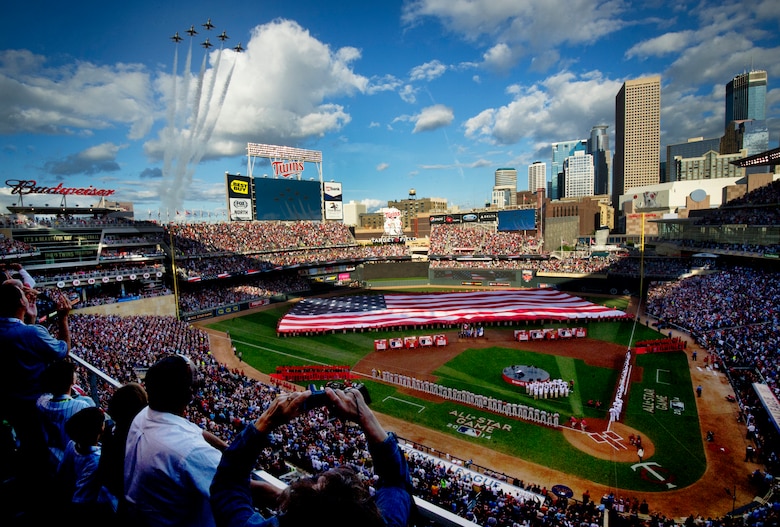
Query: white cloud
<point>408,94</point>
<point>428,71</point>
<point>500,57</point>
<point>527,26</point>
<point>561,107</point>
<point>662,45</point>
<point>381,167</point>
<point>433,117</point>
<point>372,204</point>
<point>72,101</point>
<point>290,100</point>
<point>383,83</point>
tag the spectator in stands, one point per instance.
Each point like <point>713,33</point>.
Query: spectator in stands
<point>169,461</point>
<point>57,405</point>
<point>27,350</point>
<point>89,503</point>
<point>123,406</point>
<point>337,495</point>
<point>15,271</point>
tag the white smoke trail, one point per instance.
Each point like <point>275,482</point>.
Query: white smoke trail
<point>171,114</point>
<point>218,109</point>
<point>192,118</point>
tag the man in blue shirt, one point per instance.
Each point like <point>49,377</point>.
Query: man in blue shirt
<point>28,349</point>
<point>336,496</point>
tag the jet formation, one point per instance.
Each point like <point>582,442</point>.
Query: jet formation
<point>176,38</point>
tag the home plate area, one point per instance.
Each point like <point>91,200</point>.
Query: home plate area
<point>609,437</point>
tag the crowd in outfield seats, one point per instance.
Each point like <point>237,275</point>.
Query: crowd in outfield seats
<point>211,267</point>
<point>219,294</point>
<point>458,239</point>
<point>734,314</point>
<point>251,237</point>
<point>613,265</point>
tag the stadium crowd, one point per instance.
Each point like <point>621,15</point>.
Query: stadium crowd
<point>448,239</point>
<point>734,315</point>
<point>201,298</point>
<point>193,239</point>
<point>226,400</point>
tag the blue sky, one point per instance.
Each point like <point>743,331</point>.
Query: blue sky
<point>433,95</point>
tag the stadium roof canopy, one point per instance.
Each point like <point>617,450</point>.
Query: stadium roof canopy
<point>769,158</point>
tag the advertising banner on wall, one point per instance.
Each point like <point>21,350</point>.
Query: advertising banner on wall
<point>333,200</point>
<point>480,217</point>
<point>239,191</point>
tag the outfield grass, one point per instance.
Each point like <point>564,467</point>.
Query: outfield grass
<point>677,438</point>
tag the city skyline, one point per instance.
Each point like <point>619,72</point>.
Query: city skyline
<point>396,95</point>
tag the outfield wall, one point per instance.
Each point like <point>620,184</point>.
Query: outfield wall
<point>527,278</point>
<point>577,283</point>
<point>159,305</point>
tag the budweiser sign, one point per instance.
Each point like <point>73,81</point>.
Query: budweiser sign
<point>29,186</point>
<point>287,168</point>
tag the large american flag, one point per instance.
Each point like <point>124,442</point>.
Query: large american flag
<point>382,311</point>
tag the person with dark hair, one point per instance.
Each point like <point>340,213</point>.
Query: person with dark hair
<point>57,405</point>
<point>123,406</point>
<point>169,461</point>
<point>28,349</point>
<point>88,502</point>
<point>335,497</point>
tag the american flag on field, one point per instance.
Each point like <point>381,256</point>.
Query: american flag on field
<point>382,311</point>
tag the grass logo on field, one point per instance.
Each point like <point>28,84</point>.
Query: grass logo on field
<point>467,430</point>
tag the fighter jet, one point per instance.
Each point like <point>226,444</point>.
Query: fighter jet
<point>238,49</point>
<point>206,44</point>
<point>208,25</point>
<point>223,37</point>
<point>176,38</point>
<point>192,31</point>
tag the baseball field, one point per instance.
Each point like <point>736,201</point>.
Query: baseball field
<point>661,406</point>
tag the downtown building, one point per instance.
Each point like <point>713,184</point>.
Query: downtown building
<point>561,151</point>
<point>537,176</point>
<point>746,126</point>
<point>578,175</point>
<point>504,194</point>
<point>637,136</point>
<point>598,147</point>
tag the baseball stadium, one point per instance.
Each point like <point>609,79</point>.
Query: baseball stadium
<point>608,384</point>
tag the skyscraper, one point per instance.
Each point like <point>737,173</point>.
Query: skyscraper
<point>746,126</point>
<point>578,175</point>
<point>637,136</point>
<point>598,147</point>
<point>537,176</point>
<point>560,151</point>
<point>505,188</point>
<point>746,97</point>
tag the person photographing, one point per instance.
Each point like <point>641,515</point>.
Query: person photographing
<point>333,497</point>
